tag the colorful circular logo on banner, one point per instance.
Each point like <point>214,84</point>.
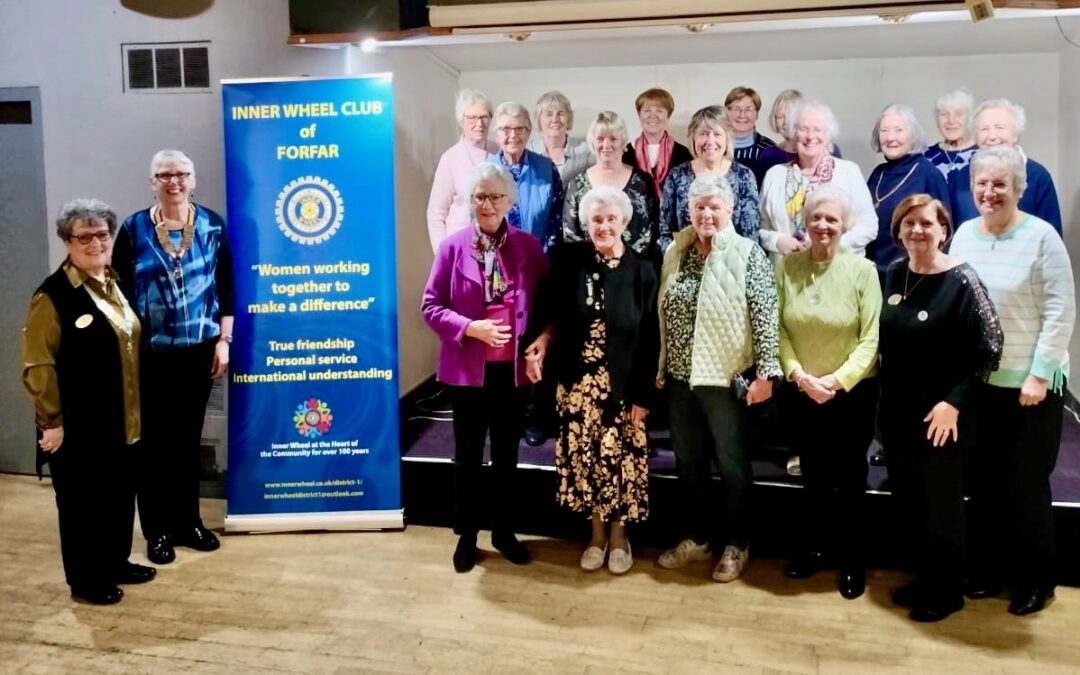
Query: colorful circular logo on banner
<point>309,210</point>
<point>312,418</point>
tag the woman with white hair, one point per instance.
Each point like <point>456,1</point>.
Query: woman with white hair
<point>1000,122</point>
<point>540,191</point>
<point>175,267</point>
<point>719,354</point>
<point>555,120</point>
<point>899,137</point>
<point>596,327</point>
<point>784,151</point>
<point>957,145</point>
<point>448,205</point>
<point>712,142</point>
<point>477,298</point>
<point>783,231</point>
<point>607,136</point>
<point>1026,270</point>
<point>830,300</point>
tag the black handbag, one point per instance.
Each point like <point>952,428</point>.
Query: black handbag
<point>740,383</point>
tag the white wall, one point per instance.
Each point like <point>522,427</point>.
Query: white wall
<point>1068,177</point>
<point>98,139</point>
<point>856,89</point>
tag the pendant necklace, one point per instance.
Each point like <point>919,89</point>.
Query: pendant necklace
<point>877,188</point>
<point>176,253</point>
<point>897,298</point>
<point>815,297</point>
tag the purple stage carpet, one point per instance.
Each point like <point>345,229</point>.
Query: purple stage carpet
<point>428,434</point>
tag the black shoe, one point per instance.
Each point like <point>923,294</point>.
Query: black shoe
<point>512,549</point>
<point>852,583</point>
<point>465,553</point>
<point>908,596</point>
<point>130,573</point>
<point>878,458</point>
<point>102,594</point>
<point>936,610</point>
<point>199,538</point>
<point>535,436</point>
<point>159,549</point>
<point>805,565</point>
<point>981,589</point>
<point>1030,600</point>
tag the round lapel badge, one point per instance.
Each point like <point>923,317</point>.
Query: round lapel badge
<point>84,321</point>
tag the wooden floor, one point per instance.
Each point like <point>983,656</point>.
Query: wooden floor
<point>391,602</point>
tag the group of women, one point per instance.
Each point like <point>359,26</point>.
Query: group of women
<point>120,349</point>
<point>856,304</point>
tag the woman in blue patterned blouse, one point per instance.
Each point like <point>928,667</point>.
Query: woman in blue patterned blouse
<point>712,142</point>
<point>174,265</point>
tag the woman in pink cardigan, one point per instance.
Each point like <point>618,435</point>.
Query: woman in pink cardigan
<point>448,208</point>
<point>477,301</point>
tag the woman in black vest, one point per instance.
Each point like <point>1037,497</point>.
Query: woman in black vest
<point>81,370</point>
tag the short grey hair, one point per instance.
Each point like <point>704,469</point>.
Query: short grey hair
<point>1001,156</point>
<point>555,100</point>
<point>168,156</point>
<point>907,113</point>
<point>489,171</point>
<point>513,109</point>
<point>957,99</point>
<point>1017,111</point>
<point>830,194</point>
<point>90,210</point>
<point>788,97</point>
<point>605,123</point>
<point>711,186</point>
<point>465,98</point>
<point>604,195</point>
<point>832,127</point>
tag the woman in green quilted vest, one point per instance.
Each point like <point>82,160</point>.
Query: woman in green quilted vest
<point>719,354</point>
<point>830,300</point>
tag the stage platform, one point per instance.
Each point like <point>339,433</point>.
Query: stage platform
<point>427,480</point>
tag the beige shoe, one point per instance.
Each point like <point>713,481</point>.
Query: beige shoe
<point>593,558</point>
<point>731,564</point>
<point>620,561</point>
<point>682,555</point>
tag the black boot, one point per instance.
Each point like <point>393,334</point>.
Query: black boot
<point>465,553</point>
<point>805,565</point>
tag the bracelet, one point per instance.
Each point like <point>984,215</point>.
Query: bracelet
<point>225,338</point>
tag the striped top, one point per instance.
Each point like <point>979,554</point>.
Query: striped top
<point>1028,275</point>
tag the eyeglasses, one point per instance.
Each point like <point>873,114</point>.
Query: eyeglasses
<point>103,237</point>
<point>507,131</point>
<point>473,119</point>
<point>179,177</point>
<point>742,111</point>
<point>480,199</point>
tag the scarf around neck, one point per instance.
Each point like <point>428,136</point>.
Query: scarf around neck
<point>797,186</point>
<point>663,159</point>
<point>486,251</point>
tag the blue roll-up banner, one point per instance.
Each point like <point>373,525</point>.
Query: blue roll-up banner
<point>313,391</point>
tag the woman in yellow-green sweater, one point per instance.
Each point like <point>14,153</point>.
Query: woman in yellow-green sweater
<point>830,301</point>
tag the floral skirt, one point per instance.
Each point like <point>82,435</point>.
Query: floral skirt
<point>602,467</point>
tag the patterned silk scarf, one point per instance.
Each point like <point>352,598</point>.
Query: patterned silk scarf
<point>663,160</point>
<point>486,251</point>
<point>797,186</point>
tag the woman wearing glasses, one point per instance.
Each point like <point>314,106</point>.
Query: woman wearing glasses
<point>448,205</point>
<point>81,370</point>
<point>477,301</point>
<point>174,264</point>
<point>540,191</point>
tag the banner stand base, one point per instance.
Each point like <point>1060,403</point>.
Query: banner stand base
<point>332,520</point>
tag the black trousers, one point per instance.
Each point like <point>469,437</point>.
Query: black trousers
<point>95,501</point>
<point>708,425</point>
<point>1009,474</point>
<point>831,440</point>
<point>928,483</point>
<point>176,388</point>
<point>496,408</point>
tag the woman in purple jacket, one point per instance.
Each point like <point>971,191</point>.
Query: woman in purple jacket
<point>477,301</point>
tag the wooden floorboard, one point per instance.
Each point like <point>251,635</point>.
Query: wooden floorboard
<point>391,603</point>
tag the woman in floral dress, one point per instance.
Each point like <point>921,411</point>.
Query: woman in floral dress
<point>595,318</point>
